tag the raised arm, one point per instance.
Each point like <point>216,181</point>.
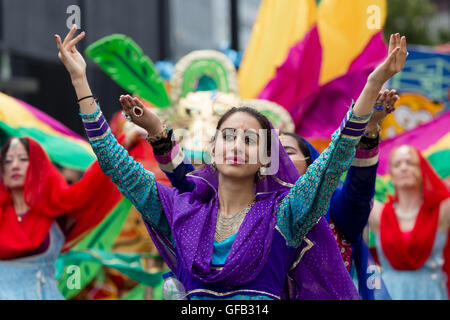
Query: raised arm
<point>136,183</point>
<point>309,198</point>
<point>350,205</point>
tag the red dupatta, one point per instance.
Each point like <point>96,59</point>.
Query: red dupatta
<point>48,196</point>
<point>413,254</point>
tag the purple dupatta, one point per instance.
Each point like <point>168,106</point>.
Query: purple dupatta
<point>317,273</point>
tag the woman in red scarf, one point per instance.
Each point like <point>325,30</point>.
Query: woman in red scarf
<point>41,215</point>
<point>412,229</point>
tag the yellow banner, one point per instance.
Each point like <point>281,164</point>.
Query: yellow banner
<point>345,28</point>
<point>279,25</point>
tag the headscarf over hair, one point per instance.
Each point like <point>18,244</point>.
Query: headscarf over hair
<point>414,254</point>
<point>192,217</point>
<point>48,197</point>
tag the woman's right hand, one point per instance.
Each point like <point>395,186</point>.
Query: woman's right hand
<point>148,120</point>
<point>69,55</point>
<point>394,62</point>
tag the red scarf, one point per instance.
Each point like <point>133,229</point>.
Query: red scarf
<point>48,196</point>
<point>412,255</point>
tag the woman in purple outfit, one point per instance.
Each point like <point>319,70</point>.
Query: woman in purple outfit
<point>239,233</point>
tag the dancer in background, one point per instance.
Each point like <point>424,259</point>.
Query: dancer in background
<point>41,215</point>
<point>412,229</point>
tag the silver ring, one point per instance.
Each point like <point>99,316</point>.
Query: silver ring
<point>138,111</point>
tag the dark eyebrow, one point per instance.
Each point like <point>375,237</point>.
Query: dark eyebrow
<point>224,129</point>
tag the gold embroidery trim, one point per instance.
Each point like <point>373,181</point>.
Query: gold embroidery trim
<point>283,183</point>
<point>278,229</point>
<point>219,294</point>
<point>354,120</point>
<point>357,162</point>
<point>349,137</point>
<point>310,244</point>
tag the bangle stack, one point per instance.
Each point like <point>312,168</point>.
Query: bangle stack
<point>162,143</point>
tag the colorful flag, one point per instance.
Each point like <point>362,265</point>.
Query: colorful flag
<point>323,54</point>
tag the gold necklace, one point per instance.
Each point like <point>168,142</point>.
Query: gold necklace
<point>226,226</point>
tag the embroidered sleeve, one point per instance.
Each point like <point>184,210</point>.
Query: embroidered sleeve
<point>309,198</point>
<point>136,183</point>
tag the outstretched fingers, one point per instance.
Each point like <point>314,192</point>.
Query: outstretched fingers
<point>58,42</point>
<point>69,35</point>
<point>62,51</point>
<point>71,44</point>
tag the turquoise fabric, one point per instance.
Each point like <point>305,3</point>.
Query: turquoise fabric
<point>426,283</point>
<point>221,250</point>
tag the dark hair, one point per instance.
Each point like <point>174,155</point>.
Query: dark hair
<point>5,149</point>
<point>301,142</point>
<point>263,121</point>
